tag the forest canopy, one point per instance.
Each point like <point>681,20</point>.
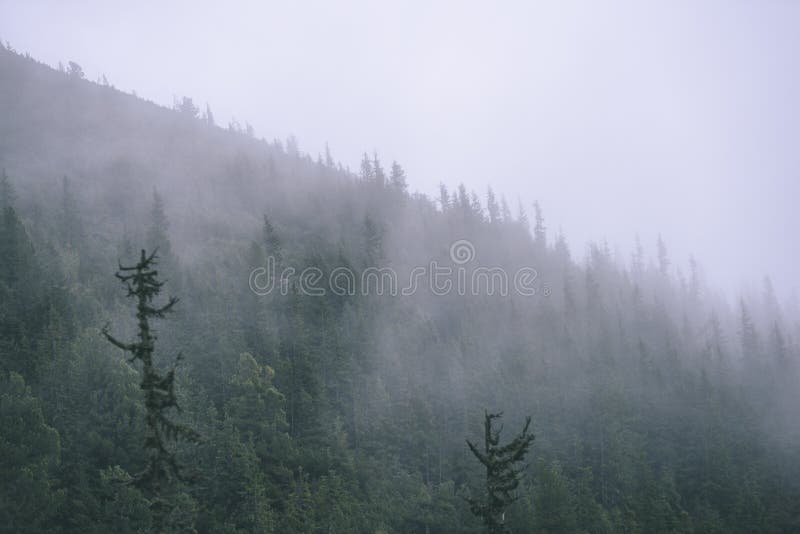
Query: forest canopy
<point>657,404</point>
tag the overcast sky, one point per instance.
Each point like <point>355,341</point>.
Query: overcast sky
<point>620,118</point>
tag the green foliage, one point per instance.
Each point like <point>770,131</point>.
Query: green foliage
<point>29,452</point>
<point>552,503</point>
<point>657,408</point>
<point>141,282</point>
<point>502,475</point>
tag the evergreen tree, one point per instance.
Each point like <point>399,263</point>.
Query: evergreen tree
<point>397,178</point>
<point>522,215</point>
<point>373,241</point>
<point>475,206</point>
<point>22,300</point>
<point>329,158</point>
<point>553,509</point>
<point>505,210</point>
<point>492,207</point>
<point>75,70</point>
<point>208,116</point>
<point>162,469</point>
<point>502,475</point>
<point>158,233</point>
<point>186,107</point>
<point>367,172</point>
<point>539,229</point>
<point>377,171</point>
<point>462,199</point>
<point>444,198</point>
<point>70,224</point>
<point>272,242</point>
<point>748,334</point>
<point>663,257</point>
<point>29,450</point>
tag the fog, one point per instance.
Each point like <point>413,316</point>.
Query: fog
<point>621,119</point>
<point>293,343</point>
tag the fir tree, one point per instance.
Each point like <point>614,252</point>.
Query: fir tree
<point>329,158</point>
<point>539,229</point>
<point>162,469</point>
<point>366,168</point>
<point>71,227</point>
<point>663,257</point>
<point>377,170</point>
<point>505,211</point>
<point>492,207</point>
<point>502,475</point>
<point>397,177</point>
<point>208,116</point>
<point>272,242</point>
<point>444,197</point>
<point>522,215</point>
<point>157,236</point>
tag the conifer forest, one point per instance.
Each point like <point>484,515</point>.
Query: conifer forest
<point>202,330</point>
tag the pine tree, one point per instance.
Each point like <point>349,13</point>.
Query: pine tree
<point>502,477</point>
<point>208,116</point>
<point>663,258</point>
<point>505,211</point>
<point>492,207</point>
<point>29,450</point>
<point>162,469</point>
<point>373,241</point>
<point>475,206</point>
<point>157,236</point>
<point>329,158</point>
<point>377,170</point>
<point>462,198</point>
<point>187,107</point>
<point>747,332</point>
<point>398,178</point>
<point>272,242</point>
<point>637,259</point>
<point>366,168</point>
<point>522,215</point>
<point>71,226</point>
<point>444,197</point>
<point>539,229</point>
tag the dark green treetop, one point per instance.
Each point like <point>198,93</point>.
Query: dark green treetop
<point>502,475</point>
<point>141,281</point>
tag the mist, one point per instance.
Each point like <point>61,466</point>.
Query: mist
<point>361,268</point>
<point>676,120</point>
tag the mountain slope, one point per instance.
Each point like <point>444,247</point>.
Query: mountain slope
<point>655,408</point>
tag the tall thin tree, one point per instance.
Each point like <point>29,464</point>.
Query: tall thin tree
<point>142,283</point>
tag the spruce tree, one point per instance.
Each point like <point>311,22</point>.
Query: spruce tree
<point>492,207</point>
<point>444,197</point>
<point>157,236</point>
<point>162,469</point>
<point>539,229</point>
<point>377,171</point>
<point>367,172</point>
<point>502,475</point>
<point>663,257</point>
<point>398,178</point>
<point>272,241</point>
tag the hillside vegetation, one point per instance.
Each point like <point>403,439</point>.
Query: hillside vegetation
<point>656,406</point>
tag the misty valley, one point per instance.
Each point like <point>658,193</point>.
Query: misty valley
<point>205,331</point>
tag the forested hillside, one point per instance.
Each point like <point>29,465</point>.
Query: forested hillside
<point>657,405</point>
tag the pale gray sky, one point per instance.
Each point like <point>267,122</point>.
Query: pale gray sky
<point>619,117</point>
